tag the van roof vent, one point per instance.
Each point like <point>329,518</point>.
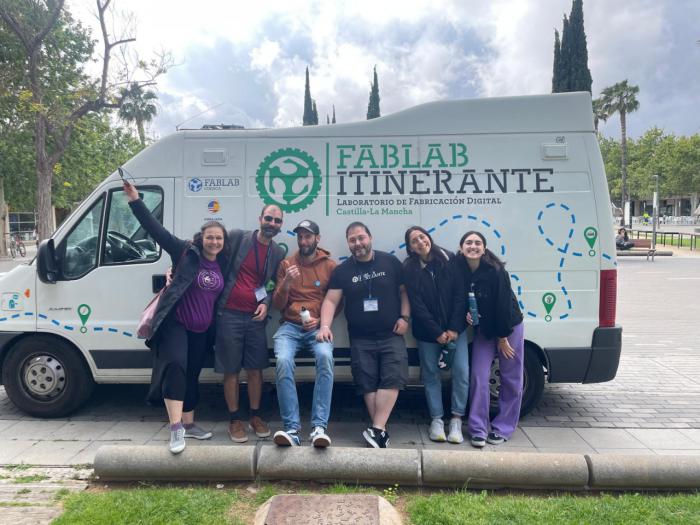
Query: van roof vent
<point>222,126</point>
<point>214,157</point>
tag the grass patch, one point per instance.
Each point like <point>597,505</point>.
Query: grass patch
<point>342,488</point>
<point>172,506</point>
<point>265,493</point>
<point>30,479</point>
<point>19,466</point>
<point>61,493</point>
<point>464,507</point>
<point>23,491</point>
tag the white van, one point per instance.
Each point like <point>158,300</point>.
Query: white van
<point>525,171</point>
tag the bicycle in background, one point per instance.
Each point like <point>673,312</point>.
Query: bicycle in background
<point>17,247</point>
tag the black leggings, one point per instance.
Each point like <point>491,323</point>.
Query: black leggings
<point>182,354</point>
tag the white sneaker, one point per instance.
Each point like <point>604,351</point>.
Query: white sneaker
<point>319,438</point>
<point>455,433</point>
<point>177,440</point>
<point>437,430</point>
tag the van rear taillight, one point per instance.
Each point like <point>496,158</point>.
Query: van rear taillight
<point>608,297</point>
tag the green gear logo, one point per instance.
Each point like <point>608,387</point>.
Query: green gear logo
<point>289,178</point>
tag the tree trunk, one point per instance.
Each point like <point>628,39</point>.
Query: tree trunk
<point>3,213</point>
<point>623,130</point>
<point>142,131</point>
<point>44,176</point>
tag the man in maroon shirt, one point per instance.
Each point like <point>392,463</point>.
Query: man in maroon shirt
<point>242,316</point>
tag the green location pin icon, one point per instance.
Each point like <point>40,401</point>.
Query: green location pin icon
<point>591,234</point>
<point>548,300</point>
<point>84,312</point>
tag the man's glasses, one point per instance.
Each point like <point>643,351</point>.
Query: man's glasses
<point>270,218</point>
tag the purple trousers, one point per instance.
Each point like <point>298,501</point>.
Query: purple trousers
<point>511,392</point>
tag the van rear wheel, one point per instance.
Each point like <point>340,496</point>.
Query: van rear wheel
<point>533,382</point>
<point>46,377</point>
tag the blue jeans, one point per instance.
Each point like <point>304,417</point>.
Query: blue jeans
<point>430,374</point>
<point>288,340</point>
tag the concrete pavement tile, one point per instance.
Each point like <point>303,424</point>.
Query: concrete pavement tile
<point>9,450</point>
<point>555,438</point>
<point>609,438</point>
<point>692,433</point>
<point>137,432</point>
<point>664,439</point>
<point>501,448</point>
<point>51,452</point>
<point>82,430</point>
<point>87,455</point>
<point>518,439</point>
<point>404,434</point>
<point>574,449</point>
<point>33,429</point>
<point>625,451</point>
<point>677,452</point>
<point>6,423</point>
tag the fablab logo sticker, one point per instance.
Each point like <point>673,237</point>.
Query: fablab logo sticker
<point>289,178</point>
<point>12,301</point>
<point>214,206</point>
<point>195,185</point>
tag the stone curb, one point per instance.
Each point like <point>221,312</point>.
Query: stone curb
<point>504,470</point>
<point>406,467</point>
<point>610,471</point>
<point>353,465</point>
<point>113,462</point>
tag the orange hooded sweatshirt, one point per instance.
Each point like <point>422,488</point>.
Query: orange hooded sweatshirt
<point>307,290</point>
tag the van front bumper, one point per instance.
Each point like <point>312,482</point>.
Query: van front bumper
<point>587,365</point>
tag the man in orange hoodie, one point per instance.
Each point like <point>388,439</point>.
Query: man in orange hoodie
<point>302,281</point>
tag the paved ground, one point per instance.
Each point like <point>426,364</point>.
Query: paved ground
<point>652,407</point>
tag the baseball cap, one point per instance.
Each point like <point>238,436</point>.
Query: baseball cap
<point>307,225</point>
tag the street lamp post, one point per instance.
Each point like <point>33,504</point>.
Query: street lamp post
<point>655,212</point>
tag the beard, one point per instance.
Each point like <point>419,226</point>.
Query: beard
<point>361,251</point>
<point>270,231</point>
<point>307,251</point>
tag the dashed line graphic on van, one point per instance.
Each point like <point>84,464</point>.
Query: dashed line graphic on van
<point>68,327</point>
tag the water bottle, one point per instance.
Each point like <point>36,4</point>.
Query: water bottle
<point>305,315</point>
<point>473,309</point>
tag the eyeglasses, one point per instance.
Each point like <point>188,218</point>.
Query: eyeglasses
<point>270,218</point>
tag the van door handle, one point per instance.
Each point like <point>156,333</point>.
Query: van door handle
<point>157,282</point>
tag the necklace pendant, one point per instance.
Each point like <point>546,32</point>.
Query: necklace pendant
<point>317,283</point>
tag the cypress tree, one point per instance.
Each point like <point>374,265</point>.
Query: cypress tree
<point>373,106</point>
<point>315,114</point>
<point>564,57</point>
<point>328,119</point>
<point>579,74</point>
<point>333,121</point>
<point>308,109</point>
<point>556,67</point>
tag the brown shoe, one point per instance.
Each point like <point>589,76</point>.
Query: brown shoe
<point>258,426</point>
<point>237,432</point>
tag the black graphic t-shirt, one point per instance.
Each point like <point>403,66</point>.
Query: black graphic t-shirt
<point>378,279</point>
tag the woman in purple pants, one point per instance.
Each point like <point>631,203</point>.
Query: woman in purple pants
<point>498,333</point>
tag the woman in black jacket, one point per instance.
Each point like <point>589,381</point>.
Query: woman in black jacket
<point>184,316</point>
<point>437,298</point>
<point>499,333</point>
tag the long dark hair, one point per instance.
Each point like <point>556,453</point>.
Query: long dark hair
<point>435,251</point>
<point>224,256</point>
<point>489,257</point>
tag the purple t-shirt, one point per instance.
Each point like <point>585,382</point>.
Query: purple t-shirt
<point>195,310</point>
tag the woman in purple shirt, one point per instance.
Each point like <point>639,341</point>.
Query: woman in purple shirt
<point>183,321</point>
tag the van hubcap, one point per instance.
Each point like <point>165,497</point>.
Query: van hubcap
<point>44,376</point>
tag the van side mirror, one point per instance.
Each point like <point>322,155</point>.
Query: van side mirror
<point>46,263</point>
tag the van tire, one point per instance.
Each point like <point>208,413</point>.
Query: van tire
<point>533,382</point>
<point>46,377</point>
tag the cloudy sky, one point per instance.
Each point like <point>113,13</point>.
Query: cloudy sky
<point>244,61</point>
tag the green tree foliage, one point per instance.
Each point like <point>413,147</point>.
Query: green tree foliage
<point>599,114</point>
<point>314,111</point>
<point>621,98</point>
<point>373,105</point>
<point>333,119</point>
<point>570,66</point>
<point>138,107</point>
<point>675,158</point>
<point>308,119</point>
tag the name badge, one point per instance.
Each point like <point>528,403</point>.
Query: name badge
<point>260,293</point>
<point>371,305</point>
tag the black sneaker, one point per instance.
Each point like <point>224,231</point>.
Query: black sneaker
<point>495,439</point>
<point>478,442</point>
<point>376,438</point>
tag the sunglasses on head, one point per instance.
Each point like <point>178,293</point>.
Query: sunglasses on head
<point>270,218</point>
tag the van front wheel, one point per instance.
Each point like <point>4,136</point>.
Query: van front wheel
<point>46,377</point>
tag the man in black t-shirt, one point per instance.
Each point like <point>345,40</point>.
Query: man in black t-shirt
<point>377,311</point>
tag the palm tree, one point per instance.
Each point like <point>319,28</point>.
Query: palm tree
<point>621,98</point>
<point>599,113</point>
<point>137,106</point>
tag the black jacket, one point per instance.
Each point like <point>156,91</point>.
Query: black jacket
<point>242,241</point>
<point>437,296</point>
<point>498,308</point>
<point>185,269</point>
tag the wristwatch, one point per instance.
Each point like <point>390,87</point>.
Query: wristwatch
<point>405,318</point>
